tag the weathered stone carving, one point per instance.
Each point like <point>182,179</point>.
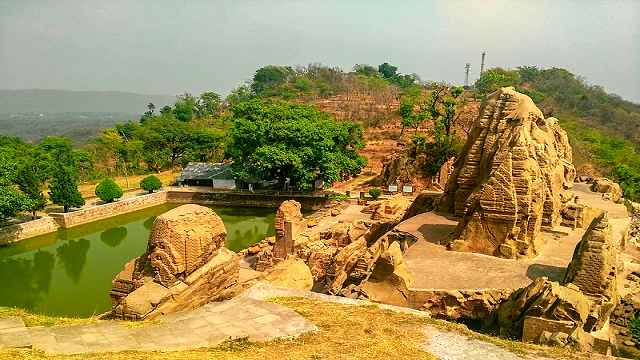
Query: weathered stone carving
<point>580,306</point>
<point>182,240</point>
<point>186,266</point>
<point>288,222</point>
<point>511,178</point>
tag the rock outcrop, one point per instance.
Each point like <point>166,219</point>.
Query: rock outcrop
<point>288,223</point>
<point>182,240</point>
<point>186,265</point>
<point>511,178</point>
<point>610,190</point>
<point>580,306</point>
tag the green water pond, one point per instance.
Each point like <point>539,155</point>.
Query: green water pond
<point>69,272</point>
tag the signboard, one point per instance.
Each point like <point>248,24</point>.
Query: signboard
<point>407,188</point>
<point>393,188</point>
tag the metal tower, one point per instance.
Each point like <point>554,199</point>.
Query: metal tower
<point>466,77</point>
<point>482,63</point>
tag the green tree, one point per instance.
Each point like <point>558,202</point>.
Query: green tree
<point>63,189</point>
<point>375,193</point>
<point>184,108</point>
<point>12,202</point>
<point>107,190</point>
<point>387,70</point>
<point>150,183</point>
<point>270,76</point>
<point>366,70</point>
<point>292,143</point>
<point>208,104</point>
<point>30,181</point>
<point>495,78</point>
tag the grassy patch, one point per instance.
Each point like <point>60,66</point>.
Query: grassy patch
<point>31,319</point>
<point>345,332</point>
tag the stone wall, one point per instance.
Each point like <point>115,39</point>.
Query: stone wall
<point>83,216</point>
<point>15,233</point>
<point>245,199</point>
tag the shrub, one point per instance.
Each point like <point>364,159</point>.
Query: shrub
<point>375,193</point>
<point>634,327</point>
<point>150,183</point>
<point>108,190</point>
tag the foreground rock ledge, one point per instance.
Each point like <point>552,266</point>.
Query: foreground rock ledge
<point>186,266</point>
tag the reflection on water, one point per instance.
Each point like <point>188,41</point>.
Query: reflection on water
<point>69,272</point>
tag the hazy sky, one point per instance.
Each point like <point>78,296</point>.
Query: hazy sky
<point>169,46</point>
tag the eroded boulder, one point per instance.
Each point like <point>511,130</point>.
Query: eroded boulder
<point>609,189</point>
<point>186,266</point>
<point>511,178</point>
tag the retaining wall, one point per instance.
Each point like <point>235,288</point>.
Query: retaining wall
<point>15,233</point>
<point>309,202</point>
<point>99,212</point>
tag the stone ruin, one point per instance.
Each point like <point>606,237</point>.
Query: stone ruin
<point>186,265</point>
<point>511,179</point>
<point>577,311</point>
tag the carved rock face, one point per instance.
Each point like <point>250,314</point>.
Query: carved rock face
<point>289,211</point>
<point>511,178</point>
<point>182,240</point>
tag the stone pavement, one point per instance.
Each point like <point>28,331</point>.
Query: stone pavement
<point>204,327</point>
<point>452,346</point>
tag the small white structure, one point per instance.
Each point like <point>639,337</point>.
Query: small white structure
<point>217,176</point>
<point>393,188</point>
<point>407,189</point>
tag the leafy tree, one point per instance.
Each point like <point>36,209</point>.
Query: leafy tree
<point>238,95</point>
<point>208,104</point>
<point>387,70</point>
<point>495,78</point>
<point>375,193</point>
<point>292,143</point>
<point>270,76</point>
<point>12,202</point>
<point>150,183</point>
<point>184,108</point>
<point>366,70</point>
<point>108,190</point>
<point>63,189</point>
<point>30,181</point>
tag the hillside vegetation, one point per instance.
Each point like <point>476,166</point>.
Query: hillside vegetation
<point>602,127</point>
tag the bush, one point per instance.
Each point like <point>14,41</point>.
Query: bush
<point>150,183</point>
<point>634,327</point>
<point>375,193</point>
<point>108,190</point>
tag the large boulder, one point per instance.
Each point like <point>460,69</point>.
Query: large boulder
<point>292,273</point>
<point>186,266</point>
<point>609,189</point>
<point>511,178</point>
<point>182,240</point>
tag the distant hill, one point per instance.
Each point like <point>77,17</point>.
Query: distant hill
<point>78,115</point>
<point>66,101</point>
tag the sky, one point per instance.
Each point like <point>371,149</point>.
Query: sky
<point>173,46</point>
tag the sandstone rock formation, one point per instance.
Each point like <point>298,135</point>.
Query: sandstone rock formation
<point>292,273</point>
<point>511,178</point>
<point>288,222</point>
<point>609,189</point>
<point>579,307</point>
<point>182,240</point>
<point>186,266</point>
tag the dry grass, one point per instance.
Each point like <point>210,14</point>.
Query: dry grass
<point>166,177</point>
<point>346,332</point>
<point>31,319</point>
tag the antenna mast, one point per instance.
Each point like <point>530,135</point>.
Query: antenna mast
<point>466,77</point>
<point>482,63</point>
